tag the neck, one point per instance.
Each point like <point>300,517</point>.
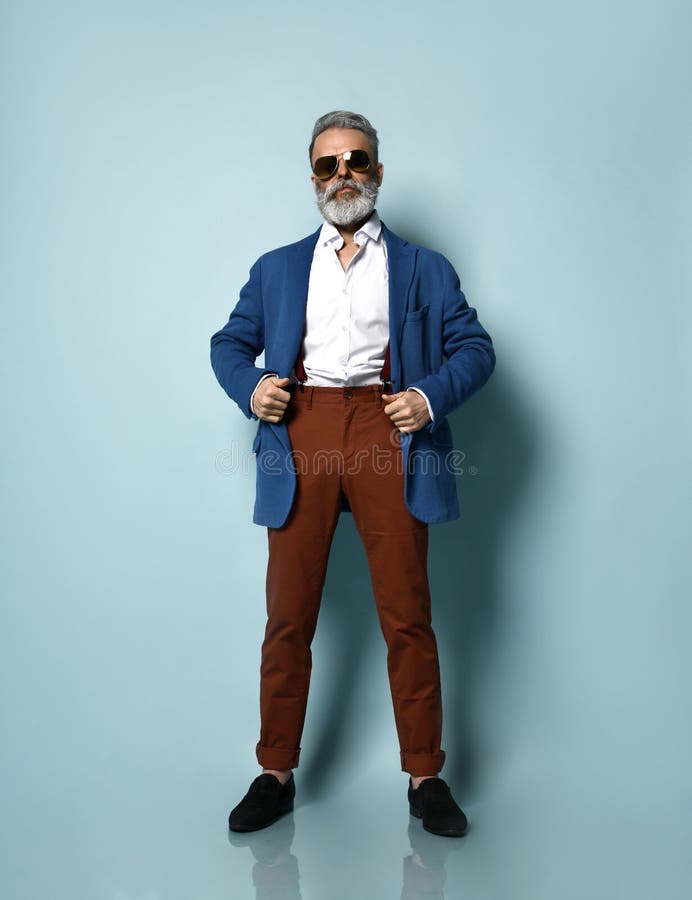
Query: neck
<point>347,231</point>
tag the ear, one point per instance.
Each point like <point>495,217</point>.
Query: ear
<point>380,173</point>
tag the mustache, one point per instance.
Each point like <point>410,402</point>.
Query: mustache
<point>331,191</point>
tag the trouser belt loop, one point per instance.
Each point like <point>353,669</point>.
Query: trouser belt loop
<point>311,391</point>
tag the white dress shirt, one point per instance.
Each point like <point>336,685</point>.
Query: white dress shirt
<point>347,314</point>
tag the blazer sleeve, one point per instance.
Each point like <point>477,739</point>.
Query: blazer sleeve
<point>468,348</point>
<point>237,345</point>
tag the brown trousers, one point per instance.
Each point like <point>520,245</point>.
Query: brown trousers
<point>343,440</point>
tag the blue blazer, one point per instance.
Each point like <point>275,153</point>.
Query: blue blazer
<point>436,344</point>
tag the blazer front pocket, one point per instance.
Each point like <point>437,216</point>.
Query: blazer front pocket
<point>416,315</point>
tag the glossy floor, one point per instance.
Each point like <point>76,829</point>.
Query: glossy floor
<point>159,833</point>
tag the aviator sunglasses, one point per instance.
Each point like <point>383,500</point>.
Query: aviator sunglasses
<point>326,166</point>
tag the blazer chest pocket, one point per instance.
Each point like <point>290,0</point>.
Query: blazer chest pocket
<point>417,315</point>
<point>415,345</point>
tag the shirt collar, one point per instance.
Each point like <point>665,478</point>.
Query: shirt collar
<point>370,230</point>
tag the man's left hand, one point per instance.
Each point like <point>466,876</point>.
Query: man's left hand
<point>407,410</point>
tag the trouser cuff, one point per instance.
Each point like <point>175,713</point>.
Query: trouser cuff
<point>276,758</point>
<point>422,763</point>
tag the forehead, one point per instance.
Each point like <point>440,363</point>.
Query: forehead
<point>337,140</point>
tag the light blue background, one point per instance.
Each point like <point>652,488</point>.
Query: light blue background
<point>150,152</point>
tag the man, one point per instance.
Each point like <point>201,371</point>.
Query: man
<point>369,343</point>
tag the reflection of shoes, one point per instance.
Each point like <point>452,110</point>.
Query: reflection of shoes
<point>270,845</point>
<point>266,800</point>
<point>421,882</point>
<point>432,802</point>
<point>425,848</point>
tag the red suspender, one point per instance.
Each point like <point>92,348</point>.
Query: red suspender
<point>386,373</point>
<point>299,367</point>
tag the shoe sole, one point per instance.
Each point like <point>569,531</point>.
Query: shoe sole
<point>454,832</point>
<point>281,812</point>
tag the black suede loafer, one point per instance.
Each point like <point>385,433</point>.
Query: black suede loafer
<point>265,802</point>
<point>432,802</point>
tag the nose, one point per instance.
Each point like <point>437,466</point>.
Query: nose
<point>342,168</point>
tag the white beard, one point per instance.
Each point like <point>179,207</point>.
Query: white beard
<point>351,210</point>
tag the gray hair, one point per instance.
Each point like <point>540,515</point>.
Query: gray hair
<point>342,118</point>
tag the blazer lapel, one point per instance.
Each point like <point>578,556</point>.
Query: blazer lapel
<point>401,259</point>
<point>291,314</point>
<point>294,302</point>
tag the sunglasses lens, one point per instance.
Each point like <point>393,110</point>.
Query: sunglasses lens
<point>357,160</point>
<point>325,167</point>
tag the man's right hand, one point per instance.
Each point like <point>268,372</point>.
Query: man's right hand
<point>271,400</point>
